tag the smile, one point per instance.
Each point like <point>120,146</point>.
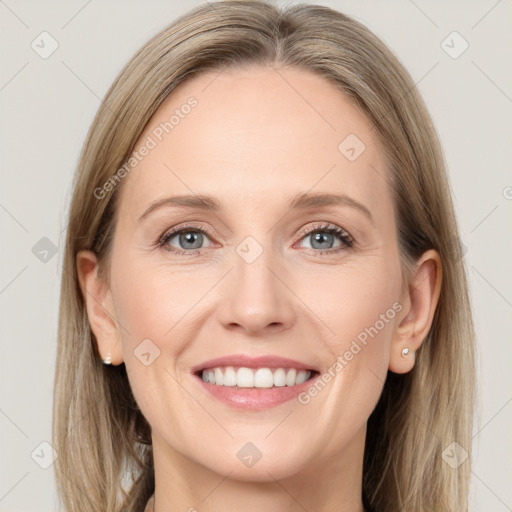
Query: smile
<point>247,393</point>
<point>262,378</point>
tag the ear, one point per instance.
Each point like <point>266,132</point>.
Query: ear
<point>99,305</point>
<point>419,299</point>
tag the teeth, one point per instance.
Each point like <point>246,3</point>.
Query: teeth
<point>260,378</point>
<point>229,377</point>
<point>280,378</point>
<point>263,378</point>
<point>291,377</point>
<point>218,376</point>
<point>302,376</point>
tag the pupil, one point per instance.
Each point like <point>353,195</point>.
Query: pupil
<point>321,237</point>
<point>190,237</point>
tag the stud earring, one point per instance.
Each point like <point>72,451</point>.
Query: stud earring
<point>405,351</point>
<point>108,359</point>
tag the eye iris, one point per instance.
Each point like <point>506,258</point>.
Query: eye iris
<point>320,237</point>
<point>191,237</point>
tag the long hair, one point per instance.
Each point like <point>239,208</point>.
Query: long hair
<point>105,459</point>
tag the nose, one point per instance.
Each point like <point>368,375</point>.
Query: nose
<point>256,298</point>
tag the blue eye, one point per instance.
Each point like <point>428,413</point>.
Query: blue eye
<point>190,239</point>
<point>323,237</point>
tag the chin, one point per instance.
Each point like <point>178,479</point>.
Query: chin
<point>268,468</point>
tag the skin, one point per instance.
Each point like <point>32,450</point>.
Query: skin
<point>254,141</point>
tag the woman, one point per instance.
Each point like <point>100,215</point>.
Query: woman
<point>312,348</point>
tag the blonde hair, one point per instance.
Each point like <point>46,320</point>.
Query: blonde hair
<point>99,432</point>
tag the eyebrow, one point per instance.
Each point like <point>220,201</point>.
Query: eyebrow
<point>301,201</point>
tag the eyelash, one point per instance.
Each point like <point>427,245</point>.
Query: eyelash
<point>345,238</point>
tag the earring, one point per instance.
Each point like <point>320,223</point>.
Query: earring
<point>405,351</point>
<point>108,359</point>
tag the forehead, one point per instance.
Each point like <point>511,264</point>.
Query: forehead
<point>257,134</point>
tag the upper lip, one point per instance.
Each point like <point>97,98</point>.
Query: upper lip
<point>253,362</point>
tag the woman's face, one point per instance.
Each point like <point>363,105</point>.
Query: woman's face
<point>261,274</point>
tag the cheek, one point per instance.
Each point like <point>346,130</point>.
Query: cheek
<point>143,306</point>
<point>149,301</point>
<point>153,303</point>
<point>357,305</point>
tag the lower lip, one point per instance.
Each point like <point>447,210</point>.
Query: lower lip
<point>255,399</point>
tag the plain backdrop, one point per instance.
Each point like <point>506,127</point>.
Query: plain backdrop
<point>47,105</point>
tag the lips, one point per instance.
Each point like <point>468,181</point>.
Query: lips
<point>240,394</point>
<point>238,360</point>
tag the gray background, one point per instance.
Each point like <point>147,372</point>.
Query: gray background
<point>48,104</point>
